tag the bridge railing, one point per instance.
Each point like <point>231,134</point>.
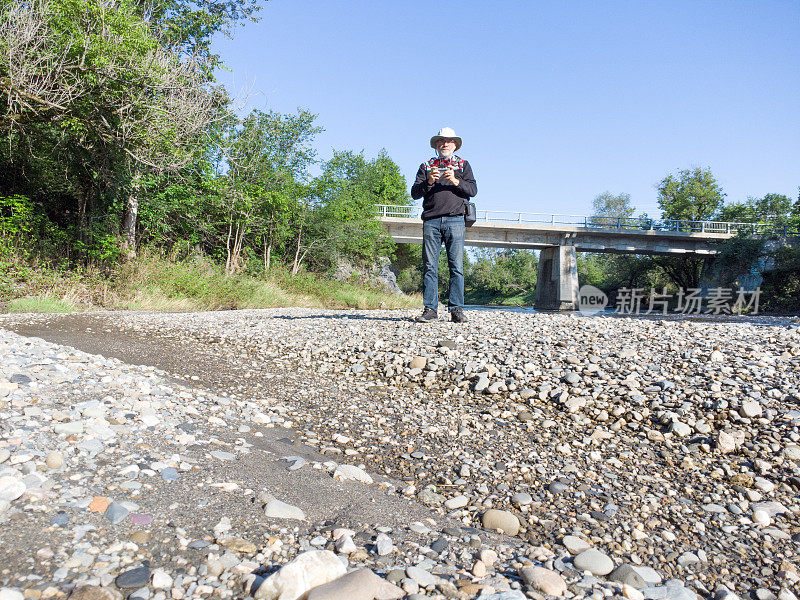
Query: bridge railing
<point>598,222</point>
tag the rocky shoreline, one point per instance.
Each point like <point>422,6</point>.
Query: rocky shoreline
<point>519,455</point>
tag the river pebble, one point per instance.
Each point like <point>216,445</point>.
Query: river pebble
<point>550,441</point>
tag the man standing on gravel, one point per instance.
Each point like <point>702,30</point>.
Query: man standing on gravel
<point>446,183</point>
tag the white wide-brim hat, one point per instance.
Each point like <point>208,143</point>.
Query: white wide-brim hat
<point>446,132</point>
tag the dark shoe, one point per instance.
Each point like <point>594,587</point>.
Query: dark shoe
<point>427,316</point>
<point>457,316</point>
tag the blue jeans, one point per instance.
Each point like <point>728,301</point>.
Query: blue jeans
<point>451,231</point>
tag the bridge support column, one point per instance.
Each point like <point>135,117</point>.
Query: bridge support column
<point>557,281</point>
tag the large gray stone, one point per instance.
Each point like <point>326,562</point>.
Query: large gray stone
<point>351,473</point>
<point>481,384</point>
<point>575,545</point>
<point>792,452</point>
<point>627,574</point>
<point>669,592</point>
<point>134,578</point>
<point>650,575</point>
<point>544,580</point>
<point>383,544</point>
<point>500,519</point>
<point>509,595</point>
<point>92,592</point>
<point>116,513</point>
<point>456,502</point>
<point>362,584</point>
<point>281,510</point>
<point>421,576</point>
<point>594,561</point>
<point>521,499</point>
<point>304,573</point>
<point>430,498</point>
<point>750,409</point>
<point>11,488</point>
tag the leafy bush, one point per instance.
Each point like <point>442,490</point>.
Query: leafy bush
<point>499,276</point>
<point>16,216</point>
<point>780,290</point>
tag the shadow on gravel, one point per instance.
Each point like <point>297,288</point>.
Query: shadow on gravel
<point>349,317</point>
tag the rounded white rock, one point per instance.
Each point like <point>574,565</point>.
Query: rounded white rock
<point>456,502</point>
<point>54,460</point>
<point>297,577</point>
<point>351,473</point>
<point>161,579</point>
<point>761,517</point>
<point>282,510</point>
<point>11,488</point>
<point>594,561</point>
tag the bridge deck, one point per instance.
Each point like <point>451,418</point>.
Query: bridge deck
<point>406,230</point>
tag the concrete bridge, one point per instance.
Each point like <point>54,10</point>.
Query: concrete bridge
<point>560,236</point>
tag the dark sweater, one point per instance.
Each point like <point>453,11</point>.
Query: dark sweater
<point>443,199</point>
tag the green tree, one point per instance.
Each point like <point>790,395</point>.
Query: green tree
<point>737,256</point>
<point>607,208</point>
<point>692,195</point>
<point>346,194</point>
<point>507,275</point>
<point>737,212</point>
<point>91,79</point>
<point>773,209</point>
<point>189,26</point>
<point>407,261</point>
<point>683,271</point>
<point>610,272</point>
<point>781,286</point>
<point>267,158</point>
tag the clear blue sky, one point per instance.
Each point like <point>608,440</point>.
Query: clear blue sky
<point>556,101</point>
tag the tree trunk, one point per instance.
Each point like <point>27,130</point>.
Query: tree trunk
<point>228,249</point>
<point>83,225</point>
<point>83,202</point>
<point>268,247</point>
<point>129,222</point>
<point>238,242</point>
<point>296,265</point>
<point>267,254</point>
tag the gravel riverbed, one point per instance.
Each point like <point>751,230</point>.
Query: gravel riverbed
<point>262,453</point>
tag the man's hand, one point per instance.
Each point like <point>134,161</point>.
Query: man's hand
<point>433,175</point>
<point>450,175</point>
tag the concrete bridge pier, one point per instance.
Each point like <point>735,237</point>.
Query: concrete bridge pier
<point>557,281</point>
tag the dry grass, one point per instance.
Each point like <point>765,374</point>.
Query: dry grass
<point>155,283</point>
<point>41,304</point>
